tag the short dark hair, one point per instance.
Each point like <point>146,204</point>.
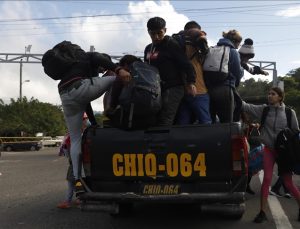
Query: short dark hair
<point>128,60</point>
<point>106,56</point>
<point>192,25</point>
<point>156,23</point>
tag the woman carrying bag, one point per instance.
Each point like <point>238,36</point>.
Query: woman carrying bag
<point>275,121</point>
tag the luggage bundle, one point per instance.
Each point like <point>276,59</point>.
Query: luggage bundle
<point>140,100</point>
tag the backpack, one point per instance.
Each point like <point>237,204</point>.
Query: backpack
<point>288,147</point>
<point>142,96</point>
<point>60,59</point>
<point>215,66</point>
<point>184,40</point>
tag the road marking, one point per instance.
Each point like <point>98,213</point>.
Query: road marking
<point>10,161</point>
<point>280,218</point>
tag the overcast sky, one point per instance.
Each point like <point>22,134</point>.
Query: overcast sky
<point>119,27</point>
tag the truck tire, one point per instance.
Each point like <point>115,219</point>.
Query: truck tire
<point>33,148</point>
<point>231,211</point>
<point>8,148</point>
<point>125,209</point>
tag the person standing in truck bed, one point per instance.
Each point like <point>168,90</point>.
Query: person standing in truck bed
<point>166,55</point>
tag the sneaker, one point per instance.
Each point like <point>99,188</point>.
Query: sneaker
<point>287,195</point>
<point>249,190</point>
<point>64,205</point>
<point>274,192</point>
<point>77,202</point>
<point>260,217</point>
<point>79,189</point>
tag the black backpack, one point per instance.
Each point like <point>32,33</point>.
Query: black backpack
<point>60,59</point>
<point>183,40</point>
<point>143,93</point>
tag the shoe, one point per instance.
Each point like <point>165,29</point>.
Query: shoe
<point>249,190</point>
<point>274,192</point>
<point>64,205</point>
<point>260,217</point>
<point>77,202</point>
<point>287,195</point>
<point>79,189</point>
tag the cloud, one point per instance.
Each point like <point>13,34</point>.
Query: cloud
<point>290,12</point>
<point>296,62</point>
<point>114,35</point>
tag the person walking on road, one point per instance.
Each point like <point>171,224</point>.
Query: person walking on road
<point>275,121</point>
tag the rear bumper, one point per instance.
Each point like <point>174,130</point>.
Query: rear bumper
<point>231,198</point>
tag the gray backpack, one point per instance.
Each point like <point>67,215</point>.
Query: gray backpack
<point>215,66</point>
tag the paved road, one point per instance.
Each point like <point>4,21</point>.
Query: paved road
<point>32,183</point>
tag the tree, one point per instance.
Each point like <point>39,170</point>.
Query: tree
<point>255,91</point>
<point>295,73</point>
<point>31,117</point>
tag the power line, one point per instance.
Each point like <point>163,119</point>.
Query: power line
<point>147,12</point>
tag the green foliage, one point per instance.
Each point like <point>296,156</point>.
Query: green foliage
<point>256,91</point>
<point>31,117</point>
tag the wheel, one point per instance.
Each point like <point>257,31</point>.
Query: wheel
<point>230,211</point>
<point>32,148</point>
<point>125,209</point>
<point>8,148</point>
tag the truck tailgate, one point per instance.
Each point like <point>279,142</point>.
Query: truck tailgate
<point>175,154</point>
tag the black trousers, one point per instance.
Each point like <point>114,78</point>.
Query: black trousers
<point>221,103</point>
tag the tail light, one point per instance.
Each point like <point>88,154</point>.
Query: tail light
<point>86,157</point>
<point>239,155</point>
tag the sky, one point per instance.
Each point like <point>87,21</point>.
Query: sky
<point>119,27</point>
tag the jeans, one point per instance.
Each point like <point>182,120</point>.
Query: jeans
<point>70,191</point>
<point>74,103</point>
<point>194,108</point>
<point>171,99</point>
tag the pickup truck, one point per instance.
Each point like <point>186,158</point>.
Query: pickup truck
<point>205,164</point>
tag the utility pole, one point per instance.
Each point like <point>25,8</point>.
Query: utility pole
<point>267,65</point>
<point>21,66</point>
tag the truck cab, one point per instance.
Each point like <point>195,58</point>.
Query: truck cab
<point>205,164</point>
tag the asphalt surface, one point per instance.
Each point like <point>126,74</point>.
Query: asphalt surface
<point>33,183</point>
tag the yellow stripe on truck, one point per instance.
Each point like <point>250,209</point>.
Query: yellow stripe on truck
<point>140,165</point>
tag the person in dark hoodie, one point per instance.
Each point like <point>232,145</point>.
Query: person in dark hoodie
<point>175,69</point>
<point>246,52</point>
<point>222,95</point>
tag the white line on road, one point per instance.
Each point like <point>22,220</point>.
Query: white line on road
<point>280,218</point>
<point>4,161</point>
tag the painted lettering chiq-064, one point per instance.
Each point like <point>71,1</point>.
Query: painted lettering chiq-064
<point>132,165</point>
